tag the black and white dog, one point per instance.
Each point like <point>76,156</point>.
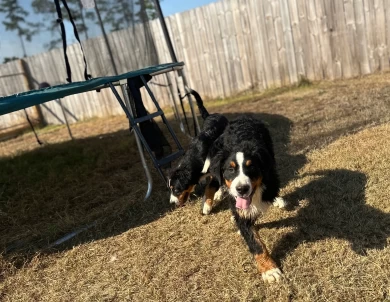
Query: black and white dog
<point>183,179</point>
<point>243,162</point>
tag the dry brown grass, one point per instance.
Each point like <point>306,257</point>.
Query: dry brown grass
<point>333,149</point>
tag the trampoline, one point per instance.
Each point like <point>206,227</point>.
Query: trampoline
<point>130,84</point>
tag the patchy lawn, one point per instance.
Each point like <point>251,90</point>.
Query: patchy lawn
<point>332,142</point>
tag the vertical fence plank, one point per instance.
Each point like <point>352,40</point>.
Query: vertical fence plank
<point>361,39</point>
<point>386,4</point>
<point>334,38</point>
<point>234,36</point>
<point>200,46</point>
<point>226,52</point>
<point>213,65</point>
<point>288,37</point>
<point>352,35</point>
<point>297,38</point>
<point>280,43</point>
<point>314,41</point>
<point>244,15</point>
<point>380,31</point>
<point>225,79</point>
<point>184,37</point>
<point>265,47</point>
<point>304,29</point>
<point>369,15</point>
<point>259,53</point>
<point>324,37</point>
<point>271,40</point>
<point>241,25</point>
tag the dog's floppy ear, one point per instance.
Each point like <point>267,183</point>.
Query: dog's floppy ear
<point>266,161</point>
<point>169,172</point>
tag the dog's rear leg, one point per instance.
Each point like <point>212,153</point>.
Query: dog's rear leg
<point>212,192</point>
<point>208,199</point>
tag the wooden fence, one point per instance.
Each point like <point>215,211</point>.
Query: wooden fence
<point>13,80</point>
<point>232,46</point>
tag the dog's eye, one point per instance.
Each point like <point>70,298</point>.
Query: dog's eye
<point>231,169</point>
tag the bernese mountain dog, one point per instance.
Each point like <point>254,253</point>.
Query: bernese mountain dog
<point>187,174</point>
<point>242,161</point>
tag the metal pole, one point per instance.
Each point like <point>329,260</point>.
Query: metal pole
<point>173,56</point>
<point>32,127</point>
<point>29,85</point>
<point>105,38</point>
<point>165,30</point>
<point>127,108</point>
<point>65,118</point>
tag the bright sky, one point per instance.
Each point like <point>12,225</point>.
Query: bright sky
<point>10,43</point>
<point>171,7</point>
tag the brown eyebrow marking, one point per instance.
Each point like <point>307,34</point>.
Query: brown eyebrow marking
<point>228,183</point>
<point>248,162</point>
<point>232,164</point>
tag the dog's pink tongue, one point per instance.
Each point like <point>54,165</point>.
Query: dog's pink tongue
<point>243,202</point>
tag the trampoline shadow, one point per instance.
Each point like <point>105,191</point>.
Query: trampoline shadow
<point>86,189</point>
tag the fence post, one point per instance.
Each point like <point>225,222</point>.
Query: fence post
<point>29,85</point>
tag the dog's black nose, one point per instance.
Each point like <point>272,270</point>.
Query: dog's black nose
<point>242,189</point>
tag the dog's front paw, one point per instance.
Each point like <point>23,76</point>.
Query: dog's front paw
<point>174,199</point>
<point>206,206</point>
<point>219,195</point>
<point>206,209</point>
<point>272,275</point>
<point>279,202</point>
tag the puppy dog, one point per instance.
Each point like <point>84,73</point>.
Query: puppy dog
<point>183,179</point>
<point>243,161</point>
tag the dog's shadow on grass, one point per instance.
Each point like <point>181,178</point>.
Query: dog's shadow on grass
<point>335,201</point>
<point>335,208</point>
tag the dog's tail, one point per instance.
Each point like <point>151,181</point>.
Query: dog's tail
<point>199,102</point>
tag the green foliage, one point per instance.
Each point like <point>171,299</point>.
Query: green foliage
<point>122,14</point>
<point>15,20</point>
<point>10,59</point>
<point>48,9</point>
<point>148,9</point>
<point>116,15</point>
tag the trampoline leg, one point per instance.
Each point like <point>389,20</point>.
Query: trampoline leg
<point>65,118</point>
<point>145,166</point>
<point>139,144</point>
